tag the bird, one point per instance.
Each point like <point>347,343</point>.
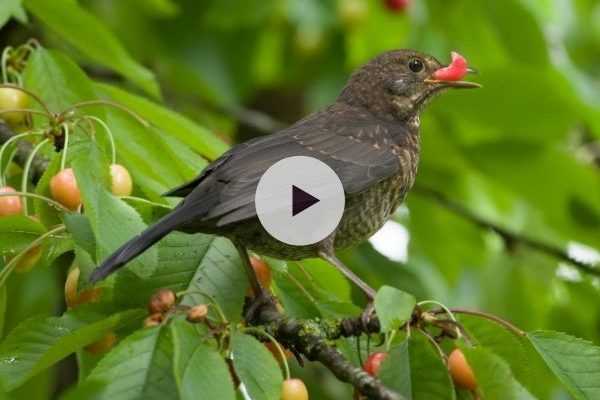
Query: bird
<point>369,136</point>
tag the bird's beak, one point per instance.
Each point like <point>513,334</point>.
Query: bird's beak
<point>455,84</point>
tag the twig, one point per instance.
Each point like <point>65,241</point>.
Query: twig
<point>508,235</point>
<point>312,339</point>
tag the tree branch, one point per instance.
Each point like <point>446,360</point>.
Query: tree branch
<point>313,340</point>
<point>509,236</point>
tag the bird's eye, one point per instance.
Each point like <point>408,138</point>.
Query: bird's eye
<point>415,65</point>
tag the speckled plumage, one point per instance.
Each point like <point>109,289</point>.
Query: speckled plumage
<point>369,136</point>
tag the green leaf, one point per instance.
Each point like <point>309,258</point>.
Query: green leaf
<point>142,149</point>
<point>12,8</point>
<point>187,131</point>
<point>113,221</point>
<point>429,374</point>
<point>200,371</point>
<point>494,377</point>
<point>395,370</point>
<point>574,361</point>
<point>79,227</point>
<point>416,370</point>
<point>256,367</point>
<point>394,307</point>
<point>198,263</point>
<point>139,367</point>
<point>57,80</point>
<point>525,363</point>
<point>39,342</point>
<point>18,231</point>
<point>90,36</point>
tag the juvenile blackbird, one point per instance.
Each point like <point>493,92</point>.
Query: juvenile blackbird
<point>369,136</point>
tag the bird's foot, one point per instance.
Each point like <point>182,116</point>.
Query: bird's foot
<point>367,317</point>
<point>257,304</point>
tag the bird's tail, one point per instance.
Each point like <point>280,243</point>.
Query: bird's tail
<point>137,245</point>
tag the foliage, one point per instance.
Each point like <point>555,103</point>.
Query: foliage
<point>175,83</point>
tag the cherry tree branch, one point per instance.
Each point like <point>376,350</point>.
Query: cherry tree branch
<point>313,339</point>
<point>510,237</point>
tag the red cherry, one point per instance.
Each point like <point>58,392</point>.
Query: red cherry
<point>9,205</point>
<point>453,72</point>
<point>397,5</point>
<point>373,363</point>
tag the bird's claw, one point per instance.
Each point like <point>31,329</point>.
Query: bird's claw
<point>366,316</point>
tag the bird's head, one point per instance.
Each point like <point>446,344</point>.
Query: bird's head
<point>398,84</point>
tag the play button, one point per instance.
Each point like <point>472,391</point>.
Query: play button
<point>299,200</point>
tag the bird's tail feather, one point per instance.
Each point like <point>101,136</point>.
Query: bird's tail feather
<point>137,245</point>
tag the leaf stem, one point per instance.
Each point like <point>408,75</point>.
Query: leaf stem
<point>26,169</point>
<point>491,317</point>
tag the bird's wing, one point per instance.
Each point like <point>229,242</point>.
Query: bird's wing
<point>358,149</point>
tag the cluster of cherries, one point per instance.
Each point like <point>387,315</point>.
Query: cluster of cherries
<point>63,186</point>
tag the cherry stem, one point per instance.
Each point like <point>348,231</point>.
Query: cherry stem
<point>7,270</point>
<point>435,344</point>
<point>32,95</point>
<point>491,317</point>
<point>105,103</point>
<point>63,159</point>
<point>111,139</point>
<point>446,309</point>
<point>7,143</point>
<point>26,169</point>
<point>277,345</point>
<point>146,201</point>
<point>38,197</point>
<point>5,55</point>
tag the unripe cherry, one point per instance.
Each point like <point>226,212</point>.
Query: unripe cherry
<point>121,183</point>
<point>294,389</point>
<point>11,98</point>
<point>461,371</point>
<point>64,189</point>
<point>9,205</point>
